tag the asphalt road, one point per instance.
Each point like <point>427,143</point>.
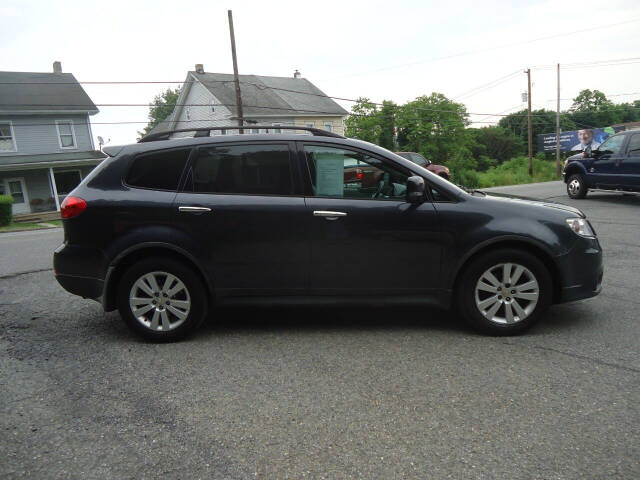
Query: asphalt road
<point>324,393</point>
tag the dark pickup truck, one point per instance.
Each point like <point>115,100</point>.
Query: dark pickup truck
<point>613,166</point>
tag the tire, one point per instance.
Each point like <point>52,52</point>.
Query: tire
<point>162,321</point>
<point>516,312</point>
<point>577,186</point>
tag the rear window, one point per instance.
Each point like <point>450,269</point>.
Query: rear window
<point>158,170</point>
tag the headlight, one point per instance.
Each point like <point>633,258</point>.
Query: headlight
<point>581,227</point>
<point>566,162</point>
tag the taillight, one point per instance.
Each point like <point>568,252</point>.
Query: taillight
<point>72,207</point>
<point>359,173</point>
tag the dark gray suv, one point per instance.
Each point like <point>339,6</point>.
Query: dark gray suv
<point>165,230</point>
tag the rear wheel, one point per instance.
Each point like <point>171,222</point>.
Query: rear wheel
<point>161,299</point>
<point>504,292</point>
<point>577,186</point>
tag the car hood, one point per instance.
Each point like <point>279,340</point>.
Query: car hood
<point>514,199</point>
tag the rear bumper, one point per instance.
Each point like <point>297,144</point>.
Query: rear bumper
<point>581,270</point>
<point>79,270</point>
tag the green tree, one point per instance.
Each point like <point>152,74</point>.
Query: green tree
<point>435,127</point>
<point>588,101</point>
<point>363,123</point>
<point>594,109</point>
<point>161,107</point>
<point>387,121</point>
<point>543,121</point>
<point>496,143</point>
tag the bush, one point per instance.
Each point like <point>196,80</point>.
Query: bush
<point>6,202</point>
<point>516,171</point>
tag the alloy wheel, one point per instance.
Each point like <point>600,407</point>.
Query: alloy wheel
<point>160,301</point>
<point>507,293</point>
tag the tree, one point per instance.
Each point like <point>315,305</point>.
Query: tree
<point>161,107</point>
<point>363,123</point>
<point>588,101</point>
<point>496,143</point>
<point>594,109</point>
<point>435,127</point>
<point>542,121</point>
<point>387,116</point>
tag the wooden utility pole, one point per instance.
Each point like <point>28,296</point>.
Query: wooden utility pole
<point>235,73</point>
<point>528,72</point>
<point>558,166</point>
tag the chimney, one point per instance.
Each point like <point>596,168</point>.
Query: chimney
<point>57,67</point>
<point>199,68</point>
<point>296,74</point>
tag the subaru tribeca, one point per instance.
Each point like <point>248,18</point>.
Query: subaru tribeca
<point>166,229</point>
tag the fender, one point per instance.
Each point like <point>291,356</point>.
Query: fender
<point>572,168</point>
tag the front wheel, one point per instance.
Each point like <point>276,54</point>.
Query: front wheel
<point>161,299</point>
<point>504,292</point>
<point>577,186</point>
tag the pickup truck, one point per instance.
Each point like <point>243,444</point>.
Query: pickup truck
<point>613,166</point>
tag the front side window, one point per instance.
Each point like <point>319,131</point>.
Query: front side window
<point>158,170</point>
<point>612,145</point>
<point>66,135</point>
<point>349,174</point>
<point>634,145</point>
<point>243,169</point>
<point>7,142</point>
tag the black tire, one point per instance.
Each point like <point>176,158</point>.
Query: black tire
<point>197,296</point>
<point>577,186</point>
<point>466,291</point>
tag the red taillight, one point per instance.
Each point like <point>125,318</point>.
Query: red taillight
<point>72,207</point>
<point>359,174</point>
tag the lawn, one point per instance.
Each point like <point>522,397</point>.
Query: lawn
<point>13,226</point>
<point>516,171</point>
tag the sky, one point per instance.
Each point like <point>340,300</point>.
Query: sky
<point>377,49</point>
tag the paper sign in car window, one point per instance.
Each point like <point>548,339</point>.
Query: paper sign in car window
<point>329,174</point>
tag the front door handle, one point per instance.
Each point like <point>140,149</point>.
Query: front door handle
<point>193,209</point>
<point>328,214</point>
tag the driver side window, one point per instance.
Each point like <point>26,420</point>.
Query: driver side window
<point>341,173</point>
<point>612,145</point>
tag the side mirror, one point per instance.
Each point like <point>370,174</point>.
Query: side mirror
<point>587,151</point>
<point>415,190</point>
<point>429,162</point>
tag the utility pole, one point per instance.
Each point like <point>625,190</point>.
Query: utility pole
<point>528,72</point>
<point>235,73</point>
<point>558,167</point>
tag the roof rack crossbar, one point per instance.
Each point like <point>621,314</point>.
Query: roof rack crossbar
<point>206,131</point>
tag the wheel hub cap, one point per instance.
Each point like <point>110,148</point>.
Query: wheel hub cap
<point>160,301</point>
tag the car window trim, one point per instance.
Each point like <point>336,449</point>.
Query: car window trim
<point>295,174</point>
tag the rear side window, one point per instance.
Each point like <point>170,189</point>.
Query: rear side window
<point>243,169</point>
<point>634,145</point>
<point>158,170</point>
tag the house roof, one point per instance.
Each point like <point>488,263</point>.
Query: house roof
<point>27,92</point>
<point>15,160</point>
<point>284,96</point>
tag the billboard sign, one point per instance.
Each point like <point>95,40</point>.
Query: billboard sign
<point>576,140</point>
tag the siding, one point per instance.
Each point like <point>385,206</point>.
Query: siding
<point>37,185</point>
<point>319,122</point>
<point>201,116</point>
<point>37,134</point>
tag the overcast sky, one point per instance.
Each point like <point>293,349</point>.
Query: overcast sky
<point>378,49</point>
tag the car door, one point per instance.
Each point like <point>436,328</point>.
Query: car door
<point>630,167</point>
<point>606,167</point>
<point>244,205</point>
<point>365,238</point>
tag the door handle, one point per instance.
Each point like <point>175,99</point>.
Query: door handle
<point>192,209</point>
<point>328,214</point>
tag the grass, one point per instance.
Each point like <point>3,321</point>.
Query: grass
<point>13,226</point>
<point>516,171</point>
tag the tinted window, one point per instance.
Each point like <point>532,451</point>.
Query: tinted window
<point>348,174</point>
<point>418,159</point>
<point>249,169</point>
<point>634,145</point>
<point>158,170</point>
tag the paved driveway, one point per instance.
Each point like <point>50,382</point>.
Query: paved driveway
<point>324,393</point>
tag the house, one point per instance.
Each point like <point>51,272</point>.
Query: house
<point>46,145</point>
<point>209,99</point>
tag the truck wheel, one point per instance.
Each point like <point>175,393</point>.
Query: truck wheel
<point>161,299</point>
<point>577,186</point>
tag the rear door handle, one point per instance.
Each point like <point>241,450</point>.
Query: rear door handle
<point>193,209</point>
<point>328,214</point>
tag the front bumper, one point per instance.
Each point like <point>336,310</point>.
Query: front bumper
<point>581,271</point>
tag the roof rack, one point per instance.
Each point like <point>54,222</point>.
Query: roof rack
<point>206,131</point>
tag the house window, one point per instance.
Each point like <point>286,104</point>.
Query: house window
<point>66,134</point>
<point>255,130</point>
<point>223,132</point>
<point>7,139</point>
<point>328,127</point>
<point>277,130</point>
<point>67,181</point>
